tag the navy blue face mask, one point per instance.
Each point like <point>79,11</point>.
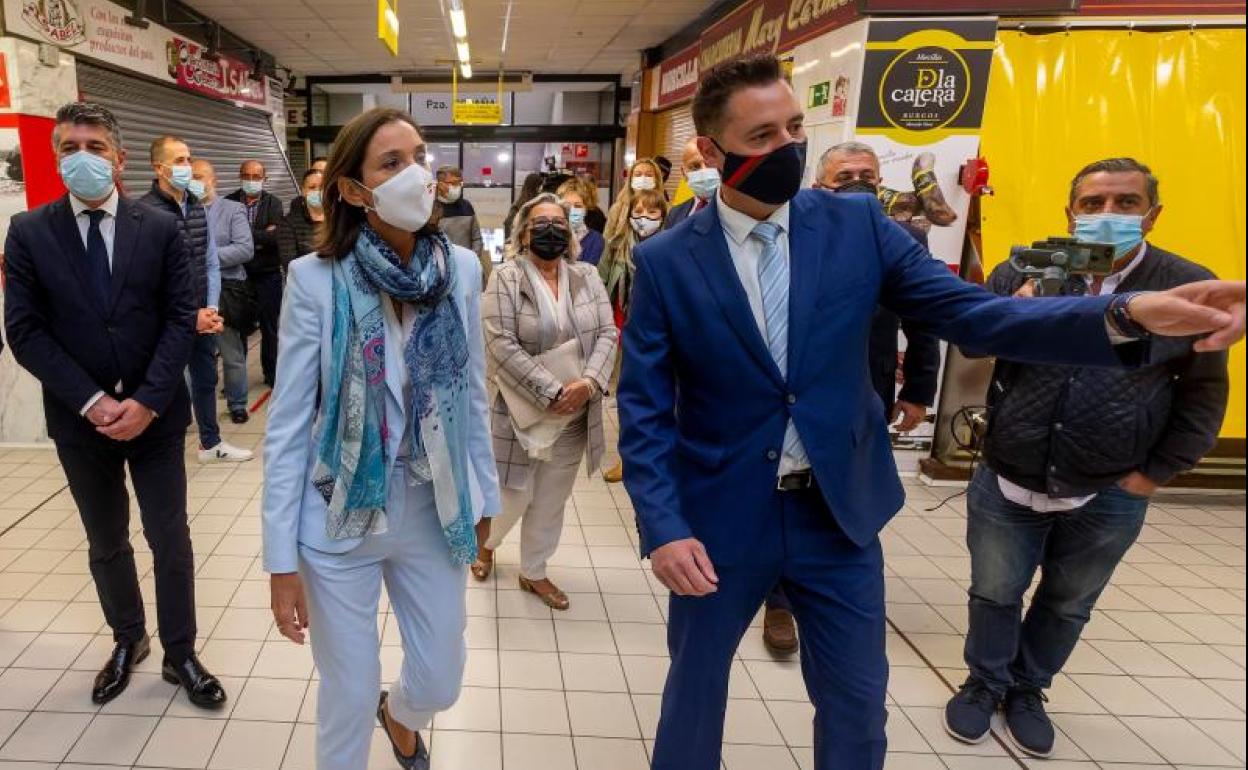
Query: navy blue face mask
<point>772,178</point>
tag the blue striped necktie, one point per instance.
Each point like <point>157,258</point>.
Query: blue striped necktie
<point>773,279</point>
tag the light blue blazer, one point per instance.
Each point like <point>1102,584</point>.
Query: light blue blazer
<point>294,512</point>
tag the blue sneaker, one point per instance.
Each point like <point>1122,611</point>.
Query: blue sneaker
<point>968,715</point>
<point>1030,728</point>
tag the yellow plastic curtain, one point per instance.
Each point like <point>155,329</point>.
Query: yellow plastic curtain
<point>1171,99</point>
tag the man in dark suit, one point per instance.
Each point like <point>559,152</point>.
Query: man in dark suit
<point>99,308</point>
<point>852,167</point>
<point>702,180</point>
<point>264,271</point>
<point>757,450</point>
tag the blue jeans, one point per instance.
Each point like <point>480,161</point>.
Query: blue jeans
<point>201,375</point>
<point>1076,552</point>
<point>234,368</point>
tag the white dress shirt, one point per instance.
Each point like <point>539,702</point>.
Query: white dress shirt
<point>1038,501</point>
<point>746,253</point>
<point>108,230</point>
<point>108,225</point>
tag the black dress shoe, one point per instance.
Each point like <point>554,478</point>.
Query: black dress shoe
<point>115,675</point>
<point>239,416</point>
<point>201,687</point>
<point>419,759</point>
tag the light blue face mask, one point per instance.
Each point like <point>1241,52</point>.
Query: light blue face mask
<point>197,188</point>
<point>88,176</point>
<point>180,177</point>
<point>314,199</point>
<point>576,216</point>
<point>253,187</point>
<point>704,182</point>
<point>1124,231</point>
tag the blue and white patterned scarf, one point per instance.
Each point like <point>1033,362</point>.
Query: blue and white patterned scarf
<point>350,471</point>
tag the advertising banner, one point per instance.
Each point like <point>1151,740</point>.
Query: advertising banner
<point>678,78</point>
<point>921,106</point>
<point>96,29</point>
<point>827,76</point>
<point>770,26</point>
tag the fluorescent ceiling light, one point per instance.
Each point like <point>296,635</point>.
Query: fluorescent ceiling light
<point>462,50</point>
<point>465,69</point>
<point>459,23</point>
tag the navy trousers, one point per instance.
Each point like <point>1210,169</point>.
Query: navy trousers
<point>836,590</point>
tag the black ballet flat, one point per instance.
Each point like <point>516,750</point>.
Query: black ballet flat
<point>418,760</point>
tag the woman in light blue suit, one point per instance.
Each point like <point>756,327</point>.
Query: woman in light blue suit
<point>378,454</point>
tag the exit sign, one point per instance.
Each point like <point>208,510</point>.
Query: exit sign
<point>820,94</point>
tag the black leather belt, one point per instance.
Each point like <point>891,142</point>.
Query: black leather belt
<point>796,482</point>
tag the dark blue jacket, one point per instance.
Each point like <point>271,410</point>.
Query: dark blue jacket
<point>703,407</point>
<point>60,333</point>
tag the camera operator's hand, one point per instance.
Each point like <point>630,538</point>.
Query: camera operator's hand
<point>1215,308</point>
<point>1028,289</point>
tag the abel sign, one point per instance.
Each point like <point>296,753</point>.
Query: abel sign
<point>96,29</point>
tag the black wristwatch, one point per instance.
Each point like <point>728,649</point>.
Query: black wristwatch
<point>1120,320</point>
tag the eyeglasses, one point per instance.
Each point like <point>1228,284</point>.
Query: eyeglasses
<point>545,221</point>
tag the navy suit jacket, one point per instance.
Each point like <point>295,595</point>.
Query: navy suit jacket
<point>76,347</point>
<point>703,407</point>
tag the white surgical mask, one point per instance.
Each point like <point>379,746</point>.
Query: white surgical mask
<point>453,194</point>
<point>641,183</point>
<point>703,181</point>
<point>405,200</point>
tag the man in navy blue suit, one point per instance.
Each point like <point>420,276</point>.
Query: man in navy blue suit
<point>98,307</point>
<point>756,446</point>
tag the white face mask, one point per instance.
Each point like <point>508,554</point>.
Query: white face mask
<point>405,200</point>
<point>645,226</point>
<point>640,183</point>
<point>453,193</point>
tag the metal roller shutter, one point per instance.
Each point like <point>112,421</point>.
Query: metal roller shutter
<point>672,130</point>
<point>217,131</point>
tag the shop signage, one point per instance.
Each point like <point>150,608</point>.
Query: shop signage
<point>920,78</point>
<point>6,98</point>
<point>678,77</point>
<point>484,112</point>
<point>1018,7</point>
<point>96,29</point>
<point>770,26</point>
<point>388,25</point>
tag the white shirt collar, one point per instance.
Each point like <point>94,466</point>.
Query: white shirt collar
<point>109,206</point>
<point>738,226</point>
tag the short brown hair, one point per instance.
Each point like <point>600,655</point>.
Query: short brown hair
<point>158,145</point>
<point>725,80</point>
<point>1118,166</point>
<point>336,237</point>
<point>650,199</point>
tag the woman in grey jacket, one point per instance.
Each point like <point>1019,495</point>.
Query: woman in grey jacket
<point>550,348</point>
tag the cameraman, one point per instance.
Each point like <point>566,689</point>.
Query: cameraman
<point>1071,457</point>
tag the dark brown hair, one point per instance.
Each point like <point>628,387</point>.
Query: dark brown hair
<point>88,114</point>
<point>1118,166</point>
<point>725,80</point>
<point>336,237</point>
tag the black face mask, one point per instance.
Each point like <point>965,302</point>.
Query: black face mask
<point>858,186</point>
<point>549,241</point>
<point>773,178</point>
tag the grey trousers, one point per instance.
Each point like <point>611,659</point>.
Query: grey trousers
<point>540,504</point>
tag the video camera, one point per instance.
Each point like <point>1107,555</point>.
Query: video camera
<point>1051,261</point>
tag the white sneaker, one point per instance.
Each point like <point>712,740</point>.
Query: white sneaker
<point>225,453</point>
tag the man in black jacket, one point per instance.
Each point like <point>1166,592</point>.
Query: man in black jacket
<point>171,162</point>
<point>1071,457</point>
<point>99,307</point>
<point>264,211</point>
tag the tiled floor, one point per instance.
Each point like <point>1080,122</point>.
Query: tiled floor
<point>1157,681</point>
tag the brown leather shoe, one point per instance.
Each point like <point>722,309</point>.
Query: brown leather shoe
<point>780,632</point>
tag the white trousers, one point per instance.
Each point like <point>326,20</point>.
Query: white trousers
<point>540,504</point>
<point>426,591</point>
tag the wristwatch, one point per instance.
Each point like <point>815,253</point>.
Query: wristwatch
<point>1118,315</point>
